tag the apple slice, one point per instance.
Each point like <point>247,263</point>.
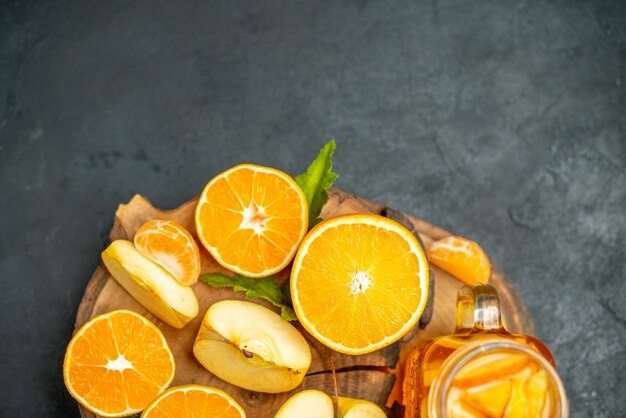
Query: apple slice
<point>252,347</point>
<point>307,404</point>
<point>150,285</point>
<point>359,408</point>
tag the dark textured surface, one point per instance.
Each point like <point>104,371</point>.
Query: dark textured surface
<point>504,121</point>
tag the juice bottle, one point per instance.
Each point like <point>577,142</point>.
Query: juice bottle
<point>482,371</point>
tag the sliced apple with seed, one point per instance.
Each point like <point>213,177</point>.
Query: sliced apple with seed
<point>359,408</point>
<point>152,286</point>
<point>252,347</point>
<point>307,404</point>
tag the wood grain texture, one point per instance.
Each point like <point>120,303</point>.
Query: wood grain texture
<point>366,376</point>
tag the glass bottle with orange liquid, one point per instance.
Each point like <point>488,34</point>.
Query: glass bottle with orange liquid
<point>482,371</point>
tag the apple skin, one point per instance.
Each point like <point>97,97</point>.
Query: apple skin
<point>309,403</point>
<point>359,408</point>
<point>252,347</point>
<point>153,287</point>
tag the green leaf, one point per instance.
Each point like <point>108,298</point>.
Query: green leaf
<point>286,288</point>
<point>266,288</point>
<point>287,313</point>
<point>316,181</point>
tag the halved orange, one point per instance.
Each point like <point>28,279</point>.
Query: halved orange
<point>462,258</point>
<point>194,401</point>
<point>171,246</point>
<point>252,219</point>
<point>117,363</point>
<point>359,282</point>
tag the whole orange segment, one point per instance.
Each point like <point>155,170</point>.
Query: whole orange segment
<point>462,258</point>
<point>171,246</point>
<point>194,401</point>
<point>117,363</point>
<point>252,219</point>
<point>359,282</point>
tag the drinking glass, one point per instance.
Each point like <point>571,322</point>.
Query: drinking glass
<point>482,370</point>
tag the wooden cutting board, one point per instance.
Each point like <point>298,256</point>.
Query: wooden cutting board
<point>370,376</point>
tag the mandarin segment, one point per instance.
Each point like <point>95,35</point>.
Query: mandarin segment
<point>462,258</point>
<point>108,373</point>
<point>171,246</point>
<point>365,269</point>
<point>194,401</point>
<point>251,219</point>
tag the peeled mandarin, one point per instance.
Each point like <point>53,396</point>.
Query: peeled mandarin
<point>171,246</point>
<point>462,258</point>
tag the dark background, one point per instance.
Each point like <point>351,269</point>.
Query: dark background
<point>503,121</point>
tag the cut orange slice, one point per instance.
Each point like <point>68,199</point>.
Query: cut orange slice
<point>359,282</point>
<point>491,398</point>
<point>194,401</point>
<point>519,403</point>
<point>537,388</point>
<point>490,367</point>
<point>252,219</point>
<point>171,246</point>
<point>117,363</point>
<point>462,258</point>
<point>457,408</point>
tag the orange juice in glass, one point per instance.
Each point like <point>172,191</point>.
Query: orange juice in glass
<point>482,371</point>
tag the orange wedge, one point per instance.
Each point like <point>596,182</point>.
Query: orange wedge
<point>518,402</point>
<point>252,219</point>
<point>457,408</point>
<point>117,363</point>
<point>490,367</point>
<point>171,246</point>
<point>491,398</point>
<point>194,401</point>
<point>359,282</point>
<point>536,392</point>
<point>462,258</point>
